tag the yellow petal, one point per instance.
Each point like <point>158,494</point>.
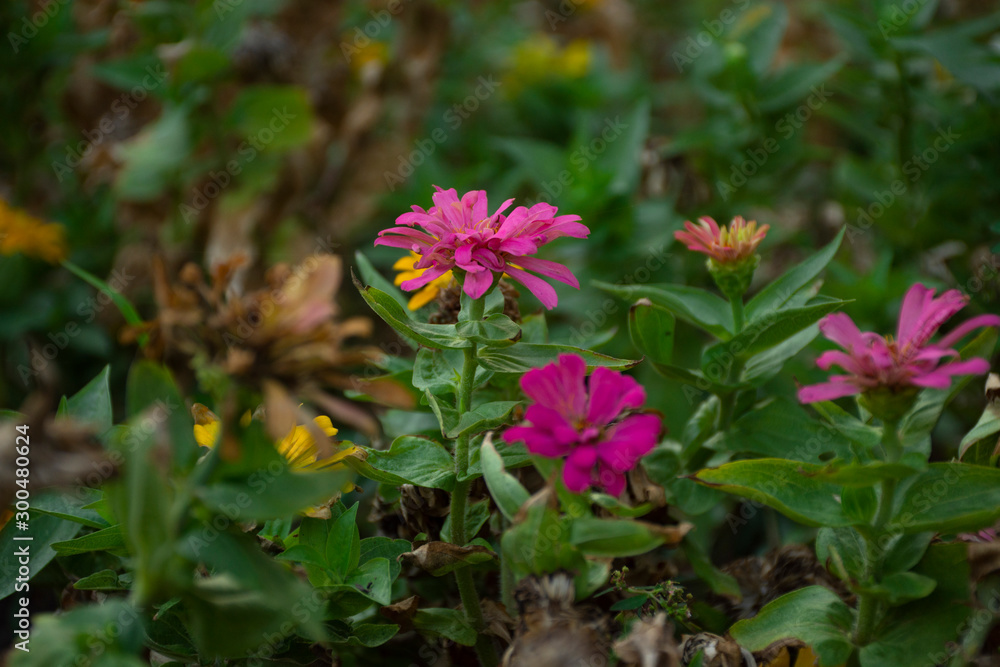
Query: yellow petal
<point>207,435</point>
<point>423,297</point>
<point>406,262</point>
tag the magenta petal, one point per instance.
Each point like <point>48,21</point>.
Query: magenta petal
<point>559,385</point>
<point>584,457</point>
<point>610,394</point>
<point>633,437</point>
<point>478,283</point>
<point>827,391</point>
<point>541,289</point>
<point>842,330</point>
<point>576,479</point>
<point>962,329</point>
<point>427,276</point>
<point>912,312</point>
<point>842,359</point>
<point>549,269</point>
<point>613,482</point>
<point>941,377</point>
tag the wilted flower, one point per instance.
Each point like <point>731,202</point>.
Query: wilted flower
<point>724,245</point>
<point>462,235</point>
<point>882,367</point>
<point>590,423</point>
<point>25,234</point>
<point>428,292</point>
<point>287,331</point>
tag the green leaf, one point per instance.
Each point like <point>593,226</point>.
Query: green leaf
<point>434,372</point>
<point>814,615</point>
<point>448,623</point>
<point>651,329</point>
<point>612,537</point>
<point>525,356</point>
<point>949,498</point>
<point>107,539</point>
<point>384,547</point>
<point>695,306</point>
<point>497,330</point>
<point>152,399</point>
<point>662,465</point>
<point>285,111</point>
<point>767,364</point>
<point>412,460</point>
<point>764,333</point>
<point>903,552</point>
<point>860,503</point>
<point>153,158</point>
<point>370,635</point>
<point>343,545</point>
<point>305,554</point>
<point>437,336</point>
<point>373,277</point>
<point>105,580</point>
<point>988,424</point>
<point>901,587</point>
<point>130,72</point>
<point>784,485</point>
<point>373,580</point>
<point>485,417</point>
<point>842,550</point>
<point>64,505</point>
<point>781,291</point>
<point>123,305</point>
<point>92,404</point>
<point>476,516</point>
<point>506,491</point>
<point>863,474</point>
<point>44,531</point>
<point>782,428</point>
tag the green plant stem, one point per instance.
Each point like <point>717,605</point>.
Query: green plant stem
<point>736,303</point>
<point>868,606</point>
<point>459,501</point>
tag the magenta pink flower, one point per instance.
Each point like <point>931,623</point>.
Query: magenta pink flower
<point>874,362</point>
<point>588,423</point>
<point>462,235</point>
<point>725,245</point>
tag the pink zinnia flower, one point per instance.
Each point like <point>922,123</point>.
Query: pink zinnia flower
<point>873,361</point>
<point>725,245</point>
<point>462,235</point>
<point>588,423</point>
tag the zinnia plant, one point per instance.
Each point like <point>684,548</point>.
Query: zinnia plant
<point>590,423</point>
<point>462,236</point>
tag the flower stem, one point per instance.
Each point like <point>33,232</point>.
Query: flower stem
<point>868,606</point>
<point>736,303</point>
<point>459,501</point>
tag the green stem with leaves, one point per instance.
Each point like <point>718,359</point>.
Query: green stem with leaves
<point>868,605</point>
<point>727,403</point>
<point>460,498</point>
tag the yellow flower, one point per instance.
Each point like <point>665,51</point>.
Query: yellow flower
<point>540,56</point>
<point>575,59</point>
<point>426,294</point>
<point>25,234</point>
<point>298,447</point>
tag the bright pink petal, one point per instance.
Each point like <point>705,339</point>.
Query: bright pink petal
<point>549,269</point>
<point>940,378</point>
<point>613,482</point>
<point>576,479</point>
<point>631,439</point>
<point>964,328</point>
<point>912,312</point>
<point>427,276</point>
<point>842,330</point>
<point>838,358</point>
<point>559,385</point>
<point>610,394</point>
<point>827,391</point>
<point>478,283</point>
<point>543,291</point>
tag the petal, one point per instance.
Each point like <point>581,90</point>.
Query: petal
<point>941,377</point>
<point>427,276</point>
<point>576,479</point>
<point>962,329</point>
<point>610,394</point>
<point>838,358</point>
<point>630,440</point>
<point>543,291</point>
<point>549,269</point>
<point>912,311</point>
<point>842,330</point>
<point>584,456</point>
<point>827,391</point>
<point>477,283</point>
<point>559,386</point>
<point>613,482</point>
